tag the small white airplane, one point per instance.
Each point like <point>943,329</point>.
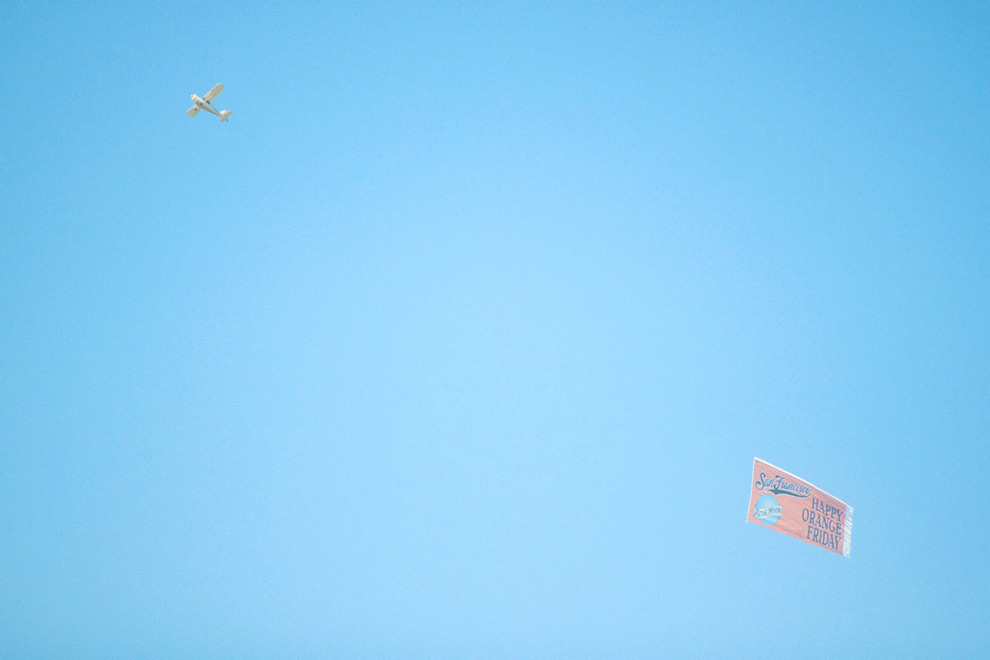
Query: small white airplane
<point>204,104</point>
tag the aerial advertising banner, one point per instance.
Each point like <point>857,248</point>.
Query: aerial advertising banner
<point>787,504</point>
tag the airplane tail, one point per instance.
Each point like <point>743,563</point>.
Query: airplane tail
<point>225,115</point>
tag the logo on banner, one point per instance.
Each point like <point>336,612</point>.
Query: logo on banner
<point>767,509</point>
<point>780,486</point>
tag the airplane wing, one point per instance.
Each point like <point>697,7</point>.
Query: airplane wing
<point>212,94</point>
<point>193,111</point>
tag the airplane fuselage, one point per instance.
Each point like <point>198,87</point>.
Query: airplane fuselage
<point>205,105</point>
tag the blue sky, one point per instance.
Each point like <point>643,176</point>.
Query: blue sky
<point>460,338</point>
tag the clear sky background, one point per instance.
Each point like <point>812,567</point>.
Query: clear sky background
<point>459,339</point>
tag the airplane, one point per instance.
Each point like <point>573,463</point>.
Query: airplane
<point>204,104</point>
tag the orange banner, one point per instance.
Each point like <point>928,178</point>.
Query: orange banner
<point>787,504</point>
